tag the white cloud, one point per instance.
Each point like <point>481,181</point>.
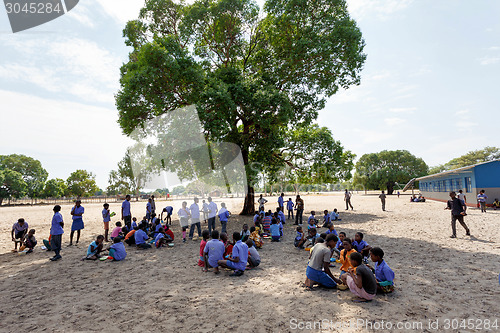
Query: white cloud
<point>81,14</point>
<point>394,121</point>
<point>122,11</point>
<point>488,60</point>
<point>403,110</point>
<point>382,9</point>
<point>462,113</point>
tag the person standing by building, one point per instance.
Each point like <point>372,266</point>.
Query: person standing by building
<point>126,214</point>
<point>457,213</point>
<point>481,199</point>
<point>347,199</point>
<point>77,225</point>
<point>299,205</point>
<point>382,197</point>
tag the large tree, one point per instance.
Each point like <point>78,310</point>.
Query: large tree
<point>473,157</point>
<point>54,188</point>
<point>131,174</point>
<point>31,170</point>
<point>251,74</point>
<point>12,185</point>
<point>381,171</point>
<point>82,183</point>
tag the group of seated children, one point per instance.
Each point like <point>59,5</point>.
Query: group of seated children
<point>220,252</point>
<point>270,223</point>
<point>355,274</point>
<point>20,235</point>
<point>116,250</point>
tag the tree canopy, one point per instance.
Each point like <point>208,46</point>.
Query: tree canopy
<point>381,171</point>
<point>31,170</point>
<point>55,188</point>
<point>82,183</point>
<point>12,185</point>
<point>473,157</point>
<point>253,75</point>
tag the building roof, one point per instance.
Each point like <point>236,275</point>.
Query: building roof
<point>469,167</point>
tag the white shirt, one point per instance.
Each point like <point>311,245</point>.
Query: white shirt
<point>212,209</point>
<point>183,212</point>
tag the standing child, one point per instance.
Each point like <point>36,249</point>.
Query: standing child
<point>77,225</point>
<point>19,230</point>
<point>30,241</point>
<point>253,255</point>
<point>168,210</point>
<point>183,219</point>
<point>94,249</point>
<point>204,207</point>
<point>206,235</point>
<point>117,250</point>
<point>224,215</point>
<point>289,207</point>
<point>56,232</point>
<point>106,218</point>
<point>195,218</point>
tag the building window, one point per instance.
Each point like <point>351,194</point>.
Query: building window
<point>458,184</point>
<point>468,184</point>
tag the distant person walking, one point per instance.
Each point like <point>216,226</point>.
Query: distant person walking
<point>457,213</point>
<point>299,205</point>
<point>481,199</point>
<point>195,218</point>
<point>347,199</point>
<point>77,225</point>
<point>382,197</point>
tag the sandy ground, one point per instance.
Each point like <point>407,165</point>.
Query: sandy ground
<point>437,278</point>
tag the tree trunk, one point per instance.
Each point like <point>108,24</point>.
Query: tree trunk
<point>390,188</point>
<point>249,205</point>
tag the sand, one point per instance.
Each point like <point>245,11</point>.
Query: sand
<point>437,278</point>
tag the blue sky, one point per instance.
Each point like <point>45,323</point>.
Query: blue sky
<point>429,85</point>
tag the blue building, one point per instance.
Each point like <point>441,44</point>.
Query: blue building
<point>469,179</point>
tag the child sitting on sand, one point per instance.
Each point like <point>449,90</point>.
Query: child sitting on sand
<point>345,255</point>
<point>253,255</point>
<point>275,231</point>
<point>130,238</point>
<point>383,273</point>
<point>141,238</point>
<point>117,250</point>
<point>95,248</point>
<point>300,238</point>
<point>266,222</point>
<point>30,241</point>
<point>239,257</point>
<point>334,216</point>
<point>496,204</point>
<point>168,233</point>
<point>361,246</point>
<point>117,230</point>
<point>206,235</point>
<point>255,237</point>
<point>160,240</point>
<point>312,237</point>
<point>326,219</point>
<point>213,252</point>
<point>245,233</point>
<point>340,243</point>
<point>311,221</point>
<point>331,229</point>
<point>227,244</point>
<point>360,279</point>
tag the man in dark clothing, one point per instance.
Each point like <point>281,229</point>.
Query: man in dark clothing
<point>457,208</point>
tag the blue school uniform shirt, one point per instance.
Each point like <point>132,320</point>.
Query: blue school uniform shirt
<point>289,205</point>
<point>56,228</point>
<point>282,217</point>
<point>311,218</point>
<point>215,251</point>
<point>158,237</point>
<point>298,236</point>
<point>332,232</point>
<point>334,216</point>
<point>339,245</point>
<point>383,272</point>
<point>89,250</point>
<point>255,217</point>
<point>140,237</point>
<point>120,252</point>
<point>275,230</point>
<point>224,216</point>
<point>280,201</point>
<point>126,208</point>
<point>169,209</point>
<point>133,225</point>
<point>359,246</point>
<point>240,250</point>
<point>78,210</point>
<point>105,215</point>
<point>327,218</point>
<point>149,208</point>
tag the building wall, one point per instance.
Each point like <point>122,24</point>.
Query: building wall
<point>488,175</point>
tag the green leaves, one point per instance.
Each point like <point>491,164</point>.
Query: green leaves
<point>380,171</point>
<point>82,183</point>
<point>12,184</point>
<point>55,188</point>
<point>473,157</point>
<point>33,174</point>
